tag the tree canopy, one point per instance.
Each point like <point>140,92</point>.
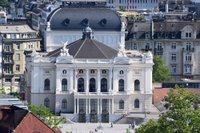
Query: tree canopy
<point>4,3</point>
<point>181,116</point>
<point>47,117</point>
<point>160,71</point>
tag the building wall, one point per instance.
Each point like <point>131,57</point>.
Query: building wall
<point>55,39</point>
<point>133,5</point>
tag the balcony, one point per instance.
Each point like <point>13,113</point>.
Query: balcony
<point>188,50</point>
<point>8,51</point>
<point>188,62</point>
<point>8,62</point>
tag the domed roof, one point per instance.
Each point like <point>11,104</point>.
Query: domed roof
<point>77,18</point>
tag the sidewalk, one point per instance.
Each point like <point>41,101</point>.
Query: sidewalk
<point>88,127</point>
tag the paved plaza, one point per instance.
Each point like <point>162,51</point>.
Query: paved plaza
<point>90,128</point>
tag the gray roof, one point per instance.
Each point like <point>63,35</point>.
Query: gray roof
<point>75,19</point>
<point>88,48</point>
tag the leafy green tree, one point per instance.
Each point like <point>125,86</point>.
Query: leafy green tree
<point>46,116</point>
<point>160,71</point>
<point>181,116</point>
<point>2,91</point>
<point>4,3</point>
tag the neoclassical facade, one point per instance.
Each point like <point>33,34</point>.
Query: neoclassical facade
<point>91,80</point>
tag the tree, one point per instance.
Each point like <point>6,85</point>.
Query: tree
<point>181,116</point>
<point>160,71</point>
<point>4,3</point>
<point>46,116</point>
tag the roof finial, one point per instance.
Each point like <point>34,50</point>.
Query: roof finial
<point>87,32</point>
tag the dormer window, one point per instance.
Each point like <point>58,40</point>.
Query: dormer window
<point>66,22</point>
<point>84,22</point>
<point>103,22</point>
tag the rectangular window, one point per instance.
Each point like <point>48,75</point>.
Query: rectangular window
<point>173,57</point>
<point>188,69</point>
<point>186,34</point>
<point>7,80</point>
<point>173,46</point>
<point>173,69</point>
<point>17,57</point>
<point>17,80</point>
<point>17,68</point>
<point>17,46</point>
<point>188,57</point>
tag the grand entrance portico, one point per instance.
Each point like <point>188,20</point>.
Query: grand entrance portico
<point>92,109</point>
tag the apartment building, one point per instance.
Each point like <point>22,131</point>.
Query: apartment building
<point>176,41</point>
<point>15,40</point>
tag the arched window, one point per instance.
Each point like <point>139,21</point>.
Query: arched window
<point>80,85</point>
<point>64,71</point>
<point>104,85</point>
<point>64,84</point>
<point>92,85</point>
<point>46,84</point>
<point>137,103</point>
<point>137,85</point>
<point>64,104</point>
<point>47,102</point>
<point>121,85</point>
<point>121,72</point>
<point>121,104</point>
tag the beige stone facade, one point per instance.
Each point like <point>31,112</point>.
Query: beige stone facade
<point>16,40</point>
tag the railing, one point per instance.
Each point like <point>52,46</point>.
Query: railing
<point>188,50</point>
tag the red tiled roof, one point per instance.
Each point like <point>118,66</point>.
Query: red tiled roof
<point>160,93</point>
<point>31,123</point>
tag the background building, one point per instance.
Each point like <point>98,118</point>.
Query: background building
<point>177,41</point>
<point>15,40</point>
<point>136,5</point>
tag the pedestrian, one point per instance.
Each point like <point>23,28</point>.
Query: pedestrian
<point>111,124</point>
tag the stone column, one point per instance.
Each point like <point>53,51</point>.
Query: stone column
<point>100,100</point>
<point>74,105</point>
<point>86,81</point>
<point>77,105</point>
<point>75,79</point>
<point>109,106</point>
<point>98,81</point>
<point>71,82</point>
<point>98,107</point>
<point>128,81</point>
<point>58,82</point>
<point>86,108</point>
<point>89,107</point>
<point>110,80</point>
<point>112,106</point>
